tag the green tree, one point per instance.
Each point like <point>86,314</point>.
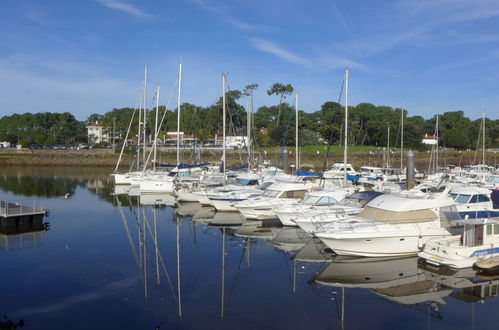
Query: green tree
<point>283,91</point>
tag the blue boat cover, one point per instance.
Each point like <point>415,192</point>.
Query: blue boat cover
<point>305,173</point>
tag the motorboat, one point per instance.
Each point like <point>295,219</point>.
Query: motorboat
<point>314,200</point>
<point>338,170</point>
<point>390,225</point>
<point>314,220</point>
<point>278,194</point>
<point>474,202</point>
<point>479,241</point>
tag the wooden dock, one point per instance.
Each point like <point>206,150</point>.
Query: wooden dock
<point>18,211</point>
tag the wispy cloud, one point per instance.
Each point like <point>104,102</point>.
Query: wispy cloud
<point>223,12</point>
<point>283,54</point>
<point>454,11</point>
<point>321,62</point>
<point>124,6</point>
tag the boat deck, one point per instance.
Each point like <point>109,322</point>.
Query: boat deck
<point>9,210</point>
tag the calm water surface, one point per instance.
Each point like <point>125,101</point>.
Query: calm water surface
<point>113,262</point>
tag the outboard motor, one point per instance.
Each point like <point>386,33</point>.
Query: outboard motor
<point>495,198</point>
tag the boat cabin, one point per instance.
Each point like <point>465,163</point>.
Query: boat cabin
<point>474,202</point>
<point>324,197</point>
<point>287,190</point>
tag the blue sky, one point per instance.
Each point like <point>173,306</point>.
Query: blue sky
<point>87,56</point>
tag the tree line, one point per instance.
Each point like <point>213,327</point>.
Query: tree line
<point>271,125</point>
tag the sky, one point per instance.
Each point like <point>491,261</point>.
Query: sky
<point>88,56</point>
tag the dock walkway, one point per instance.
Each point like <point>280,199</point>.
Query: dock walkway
<point>16,210</point>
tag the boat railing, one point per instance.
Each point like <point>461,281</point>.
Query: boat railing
<point>318,221</point>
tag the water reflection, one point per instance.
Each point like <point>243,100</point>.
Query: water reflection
<point>16,235</point>
<point>149,261</point>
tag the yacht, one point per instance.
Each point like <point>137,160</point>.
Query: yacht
<point>314,200</point>
<point>314,221</point>
<point>262,207</point>
<point>474,202</point>
<point>389,225</point>
<point>479,241</point>
<point>338,170</point>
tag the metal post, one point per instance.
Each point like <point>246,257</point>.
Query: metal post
<point>410,170</point>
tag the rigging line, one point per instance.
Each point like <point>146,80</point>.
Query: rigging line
<point>236,275</point>
<point>129,236</point>
<point>159,128</point>
<point>331,136</point>
<point>161,259</point>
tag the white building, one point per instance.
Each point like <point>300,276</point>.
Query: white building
<point>4,144</point>
<point>429,139</point>
<point>95,133</point>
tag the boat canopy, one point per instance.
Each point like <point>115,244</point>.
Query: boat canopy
<point>396,217</point>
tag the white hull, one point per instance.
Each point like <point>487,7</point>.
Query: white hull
<point>153,186</point>
<point>186,196</point>
<point>224,205</point>
<point>203,198</point>
<point>396,245</point>
<point>287,218</point>
<point>259,213</point>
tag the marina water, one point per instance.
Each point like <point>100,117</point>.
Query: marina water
<point>108,261</point>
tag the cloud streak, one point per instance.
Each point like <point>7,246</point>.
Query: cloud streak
<point>124,7</point>
<point>224,14</point>
<point>283,54</point>
<point>322,62</point>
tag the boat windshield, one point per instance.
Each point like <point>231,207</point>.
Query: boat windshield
<point>380,215</point>
<point>271,193</point>
<point>309,200</point>
<point>462,198</point>
<point>265,185</point>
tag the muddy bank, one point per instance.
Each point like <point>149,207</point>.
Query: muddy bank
<point>108,158</point>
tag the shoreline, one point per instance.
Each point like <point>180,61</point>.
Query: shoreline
<point>108,158</point>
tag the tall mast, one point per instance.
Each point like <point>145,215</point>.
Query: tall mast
<point>436,153</point>
<point>297,151</point>
<point>248,127</point>
<point>388,148</point>
<point>402,140</point>
<point>139,133</point>
<point>483,138</point>
<point>223,115</point>
<point>178,112</point>
<point>346,127</point>
<point>156,127</point>
<point>145,116</point>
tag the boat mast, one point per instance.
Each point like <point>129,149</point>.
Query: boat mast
<point>388,148</point>
<point>156,127</point>
<point>145,116</point>
<point>346,128</point>
<point>223,115</point>
<point>178,112</point>
<point>402,140</point>
<point>483,138</point>
<point>297,151</point>
<point>248,127</point>
<point>436,153</point>
<point>139,133</point>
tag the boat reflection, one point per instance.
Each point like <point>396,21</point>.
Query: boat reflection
<point>470,285</point>
<point>157,199</point>
<point>314,251</point>
<point>290,239</point>
<point>396,279</point>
